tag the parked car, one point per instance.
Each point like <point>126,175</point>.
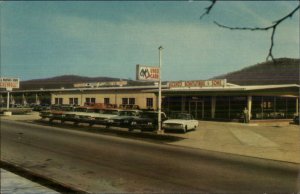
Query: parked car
<point>82,115</point>
<point>124,118</point>
<point>41,107</point>
<point>181,121</point>
<point>148,121</point>
<point>57,112</point>
<point>102,118</point>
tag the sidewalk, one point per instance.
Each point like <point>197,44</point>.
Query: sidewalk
<point>275,141</point>
<point>12,183</point>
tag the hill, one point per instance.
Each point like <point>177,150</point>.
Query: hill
<point>65,81</point>
<point>280,71</point>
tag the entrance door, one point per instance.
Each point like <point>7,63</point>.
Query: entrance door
<point>196,108</point>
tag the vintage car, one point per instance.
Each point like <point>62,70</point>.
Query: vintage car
<point>181,121</point>
<point>124,118</point>
<point>57,112</point>
<point>148,121</point>
<point>102,118</point>
<point>82,115</point>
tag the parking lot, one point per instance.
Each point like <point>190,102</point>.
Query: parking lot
<point>273,140</point>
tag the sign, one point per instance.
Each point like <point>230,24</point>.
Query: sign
<point>198,83</point>
<point>9,83</point>
<point>147,73</point>
<point>100,84</point>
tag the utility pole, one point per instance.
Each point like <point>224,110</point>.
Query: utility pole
<point>160,131</point>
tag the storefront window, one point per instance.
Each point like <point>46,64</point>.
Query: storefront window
<point>106,100</point>
<point>131,100</point>
<point>149,102</point>
<point>73,101</point>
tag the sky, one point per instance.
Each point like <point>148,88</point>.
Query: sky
<point>42,39</point>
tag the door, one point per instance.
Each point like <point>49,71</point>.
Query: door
<point>196,108</point>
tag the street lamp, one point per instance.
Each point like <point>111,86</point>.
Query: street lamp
<point>160,131</point>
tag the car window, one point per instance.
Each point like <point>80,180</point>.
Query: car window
<point>148,115</point>
<point>113,112</point>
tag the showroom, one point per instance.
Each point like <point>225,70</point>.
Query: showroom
<point>205,100</point>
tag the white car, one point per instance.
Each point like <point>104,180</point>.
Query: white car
<point>181,121</point>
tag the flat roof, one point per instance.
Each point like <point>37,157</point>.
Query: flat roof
<point>292,89</point>
<point>87,89</point>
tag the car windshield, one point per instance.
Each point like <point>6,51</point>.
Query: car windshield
<point>151,115</point>
<point>112,112</point>
<point>182,116</point>
<point>80,110</point>
<point>128,113</point>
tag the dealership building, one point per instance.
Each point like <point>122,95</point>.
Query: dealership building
<point>204,99</point>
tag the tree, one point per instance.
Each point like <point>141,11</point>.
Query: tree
<point>272,27</point>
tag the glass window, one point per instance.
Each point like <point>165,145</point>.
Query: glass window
<point>73,101</point>
<point>131,100</point>
<point>149,102</point>
<point>58,100</point>
<point>90,100</point>
<point>124,100</point>
<point>106,101</point>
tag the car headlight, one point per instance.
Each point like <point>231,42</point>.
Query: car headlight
<point>110,121</point>
<point>149,123</point>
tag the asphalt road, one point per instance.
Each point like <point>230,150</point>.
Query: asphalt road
<point>102,163</point>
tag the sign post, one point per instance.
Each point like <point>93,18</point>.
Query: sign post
<point>9,84</point>
<point>148,73</point>
<point>159,130</point>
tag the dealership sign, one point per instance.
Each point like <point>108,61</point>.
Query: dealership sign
<point>100,84</point>
<point>9,83</point>
<point>198,83</point>
<point>147,73</point>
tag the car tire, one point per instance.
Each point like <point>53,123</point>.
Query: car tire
<point>185,129</point>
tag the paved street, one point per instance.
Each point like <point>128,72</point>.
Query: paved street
<point>100,163</point>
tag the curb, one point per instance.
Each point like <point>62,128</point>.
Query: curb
<point>114,131</point>
<point>40,179</point>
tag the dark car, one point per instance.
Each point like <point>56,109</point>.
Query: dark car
<point>41,107</point>
<point>124,118</point>
<point>148,121</point>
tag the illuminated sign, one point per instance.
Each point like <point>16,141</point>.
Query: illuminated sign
<point>147,73</point>
<point>198,83</point>
<point>9,83</point>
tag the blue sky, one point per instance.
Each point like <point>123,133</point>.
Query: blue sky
<point>98,38</point>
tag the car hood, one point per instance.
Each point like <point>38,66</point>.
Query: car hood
<point>123,117</point>
<point>177,121</point>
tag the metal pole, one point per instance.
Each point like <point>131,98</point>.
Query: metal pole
<point>159,92</point>
<point>7,105</point>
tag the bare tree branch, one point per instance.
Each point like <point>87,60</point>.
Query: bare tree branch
<point>208,9</point>
<point>273,27</point>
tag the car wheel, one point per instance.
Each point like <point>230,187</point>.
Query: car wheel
<point>185,129</point>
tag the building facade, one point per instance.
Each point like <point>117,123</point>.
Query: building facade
<point>205,100</point>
